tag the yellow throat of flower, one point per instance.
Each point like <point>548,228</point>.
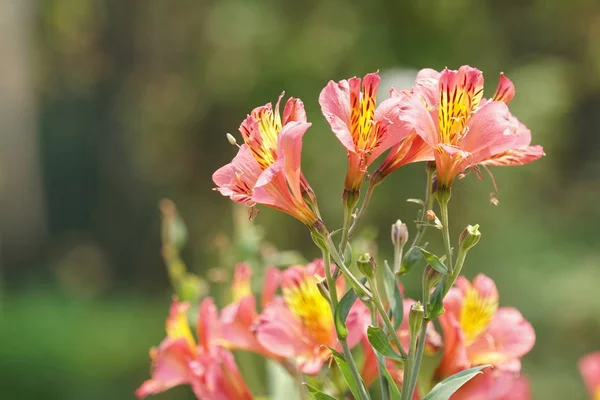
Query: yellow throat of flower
<point>305,301</point>
<point>456,105</point>
<point>476,314</point>
<point>361,121</point>
<point>178,327</point>
<point>269,125</point>
<point>597,394</point>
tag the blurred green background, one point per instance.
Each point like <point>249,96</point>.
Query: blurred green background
<point>107,106</point>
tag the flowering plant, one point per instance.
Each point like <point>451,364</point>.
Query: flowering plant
<point>341,323</point>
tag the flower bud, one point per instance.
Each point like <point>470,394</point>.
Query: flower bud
<point>415,317</point>
<point>399,234</point>
<point>366,265</point>
<point>431,277</point>
<point>323,290</point>
<point>469,237</point>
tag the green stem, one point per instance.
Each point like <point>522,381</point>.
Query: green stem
<point>384,315</point>
<point>346,228</point>
<point>421,228</point>
<point>460,261</point>
<point>363,207</point>
<point>408,366</point>
<point>417,359</point>
<point>362,391</point>
<point>360,289</point>
<point>380,359</point>
<point>446,232</point>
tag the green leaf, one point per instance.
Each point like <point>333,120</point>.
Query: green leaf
<point>434,261</point>
<point>394,296</point>
<point>381,343</point>
<point>346,372</point>
<point>317,394</point>
<point>409,261</point>
<point>445,389</point>
<point>341,313</point>
<point>391,384</point>
<point>435,307</point>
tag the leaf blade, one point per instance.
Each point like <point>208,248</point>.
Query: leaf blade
<point>447,387</point>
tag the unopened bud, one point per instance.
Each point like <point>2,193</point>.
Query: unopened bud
<point>399,234</point>
<point>322,286</point>
<point>431,277</point>
<point>430,215</point>
<point>231,139</point>
<point>415,318</point>
<point>469,237</point>
<point>366,265</point>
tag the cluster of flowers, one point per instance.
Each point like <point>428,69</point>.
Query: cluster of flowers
<point>444,120</point>
<point>296,329</point>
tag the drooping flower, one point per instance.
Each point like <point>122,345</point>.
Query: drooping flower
<point>299,325</point>
<point>448,111</point>
<point>207,367</point>
<point>477,332</point>
<point>433,344</point>
<point>494,384</point>
<point>589,366</point>
<point>266,169</point>
<point>366,131</point>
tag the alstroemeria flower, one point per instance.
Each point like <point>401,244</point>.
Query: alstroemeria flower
<point>433,344</point>
<point>448,111</point>
<point>477,332</point>
<point>364,130</point>
<point>207,367</point>
<point>493,384</point>
<point>299,325</point>
<point>266,169</point>
<point>589,366</point>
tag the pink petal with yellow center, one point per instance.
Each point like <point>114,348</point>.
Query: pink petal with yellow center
<point>589,367</point>
<point>237,179</point>
<point>177,325</point>
<point>508,337</point>
<point>170,367</point>
<point>414,112</point>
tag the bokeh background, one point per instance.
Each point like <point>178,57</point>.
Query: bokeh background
<point>108,106</point>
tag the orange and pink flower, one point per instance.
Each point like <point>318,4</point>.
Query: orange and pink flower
<point>366,131</point>
<point>477,332</point>
<point>207,367</point>
<point>448,111</point>
<point>298,325</point>
<point>589,366</point>
<point>266,169</point>
<point>494,384</point>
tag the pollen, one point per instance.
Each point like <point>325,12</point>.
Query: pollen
<point>476,314</point>
<point>305,302</point>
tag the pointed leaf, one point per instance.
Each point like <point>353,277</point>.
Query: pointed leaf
<point>341,312</point>
<point>434,261</point>
<point>316,393</point>
<point>381,343</point>
<point>409,261</point>
<point>346,372</point>
<point>435,308</point>
<point>447,387</point>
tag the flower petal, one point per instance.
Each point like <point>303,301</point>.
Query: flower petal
<point>589,366</point>
<point>237,179</point>
<point>335,105</point>
<point>505,90</point>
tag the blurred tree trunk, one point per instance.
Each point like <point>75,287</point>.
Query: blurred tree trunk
<point>22,215</point>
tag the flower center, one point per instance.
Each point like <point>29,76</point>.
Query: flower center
<point>476,314</point>
<point>304,300</point>
<point>269,126</point>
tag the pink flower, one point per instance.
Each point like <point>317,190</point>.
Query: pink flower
<point>493,384</point>
<point>477,332</point>
<point>299,325</point>
<point>207,367</point>
<point>448,111</point>
<point>433,344</point>
<point>266,169</point>
<point>364,130</point>
<point>589,366</point>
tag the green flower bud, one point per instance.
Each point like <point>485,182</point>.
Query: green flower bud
<point>322,286</point>
<point>431,277</point>
<point>399,234</point>
<point>469,237</point>
<point>366,265</point>
<point>415,318</point>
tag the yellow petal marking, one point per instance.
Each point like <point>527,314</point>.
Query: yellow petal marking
<point>476,314</point>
